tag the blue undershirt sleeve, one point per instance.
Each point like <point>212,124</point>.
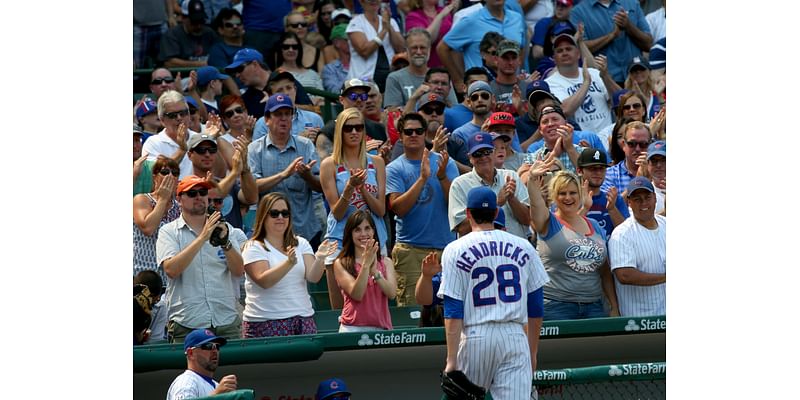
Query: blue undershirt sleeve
<point>536,303</point>
<point>453,309</point>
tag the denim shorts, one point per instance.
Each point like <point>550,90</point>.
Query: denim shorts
<point>555,310</point>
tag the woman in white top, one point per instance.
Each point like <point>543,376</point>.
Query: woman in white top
<point>373,41</point>
<point>289,52</point>
<point>277,265</point>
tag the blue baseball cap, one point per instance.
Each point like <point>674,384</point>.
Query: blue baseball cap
<point>657,148</point>
<point>500,219</point>
<point>243,56</point>
<point>481,198</point>
<point>537,90</point>
<point>330,387</point>
<point>148,106</point>
<point>208,74</point>
<point>562,27</point>
<point>191,102</point>
<point>199,337</point>
<point>478,86</point>
<point>616,96</point>
<point>278,101</point>
<point>639,182</point>
<point>480,140</point>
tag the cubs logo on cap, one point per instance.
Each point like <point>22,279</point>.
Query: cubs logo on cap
<point>480,140</point>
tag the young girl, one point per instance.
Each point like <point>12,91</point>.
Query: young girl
<point>367,279</point>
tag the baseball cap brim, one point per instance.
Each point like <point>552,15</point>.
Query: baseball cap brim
<point>537,95</point>
<point>479,146</point>
<point>656,153</point>
<point>562,37</point>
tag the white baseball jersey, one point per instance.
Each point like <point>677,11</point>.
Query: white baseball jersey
<point>190,385</point>
<point>492,272</point>
<point>633,245</point>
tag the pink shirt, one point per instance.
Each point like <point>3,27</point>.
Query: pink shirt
<point>418,19</point>
<point>372,310</point>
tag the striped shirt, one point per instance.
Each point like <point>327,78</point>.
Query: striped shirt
<point>633,245</point>
<point>144,247</point>
<point>617,175</point>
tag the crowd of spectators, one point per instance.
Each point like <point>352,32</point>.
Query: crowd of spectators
<point>243,193</point>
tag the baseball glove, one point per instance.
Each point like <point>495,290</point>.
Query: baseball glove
<point>457,386</point>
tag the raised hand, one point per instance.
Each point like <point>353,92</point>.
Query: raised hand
<point>565,131</point>
<point>524,173</point>
<point>641,161</point>
<point>422,89</point>
<point>357,177</point>
<point>291,255</point>
<point>516,96</point>
<point>167,187</point>
<point>292,167</point>
<point>611,198</point>
<point>326,248</point>
<point>227,384</point>
<point>137,165</point>
<point>441,165</point>
<point>580,33</point>
<point>305,169</point>
<point>621,19</point>
<point>211,223</point>
<point>370,255</point>
<point>249,125</point>
<point>182,135</point>
<point>440,139</point>
<point>237,164</point>
<point>213,126</point>
<point>431,265</point>
<point>601,63</point>
<point>507,192</point>
<point>373,144</point>
<point>192,85</point>
<point>425,166</point>
<point>587,196</point>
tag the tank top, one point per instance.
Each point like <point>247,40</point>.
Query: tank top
<point>373,309</point>
<point>336,227</point>
<point>144,247</point>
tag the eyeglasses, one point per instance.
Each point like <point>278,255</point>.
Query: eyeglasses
<point>217,201</point>
<point>482,95</point>
<point>193,193</point>
<point>204,150</point>
<point>166,171</point>
<point>482,153</point>
<point>231,113</point>
<point>633,144</point>
<point>232,25</point>
<point>159,81</point>
<point>276,213</point>
<point>634,106</point>
<point>413,131</point>
<point>290,46</point>
<point>433,110</point>
<point>353,96</point>
<point>299,25</point>
<point>209,346</point>
<point>347,128</point>
<point>177,114</point>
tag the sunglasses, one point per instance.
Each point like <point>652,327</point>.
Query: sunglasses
<point>635,106</point>
<point>193,193</point>
<point>232,25</point>
<point>347,128</point>
<point>413,131</point>
<point>159,81</point>
<point>290,46</point>
<point>209,346</point>
<point>177,114</point>
<point>231,113</point>
<point>353,96</point>
<point>166,171</point>
<point>204,150</point>
<point>482,153</point>
<point>482,95</point>
<point>433,110</point>
<point>276,213</point>
<point>299,25</point>
<point>633,144</point>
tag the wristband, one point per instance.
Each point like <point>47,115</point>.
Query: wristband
<point>227,246</point>
<point>378,41</point>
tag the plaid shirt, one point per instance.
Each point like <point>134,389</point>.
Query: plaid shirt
<point>543,151</point>
<point>619,176</point>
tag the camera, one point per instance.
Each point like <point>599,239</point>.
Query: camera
<point>218,238</point>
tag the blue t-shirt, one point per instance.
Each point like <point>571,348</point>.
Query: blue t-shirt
<point>540,31</point>
<point>598,21</point>
<point>456,116</point>
<point>598,211</point>
<point>265,15</point>
<point>466,35</point>
<point>425,224</point>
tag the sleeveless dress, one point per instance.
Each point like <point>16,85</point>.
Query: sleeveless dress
<point>144,247</point>
<point>336,227</point>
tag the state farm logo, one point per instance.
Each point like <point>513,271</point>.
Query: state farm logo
<point>646,324</point>
<point>391,338</point>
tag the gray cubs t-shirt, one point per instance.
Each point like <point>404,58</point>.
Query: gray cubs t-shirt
<point>401,84</point>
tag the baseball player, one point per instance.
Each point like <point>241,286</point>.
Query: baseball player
<point>492,280</point>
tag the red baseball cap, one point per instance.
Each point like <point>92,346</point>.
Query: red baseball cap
<point>501,118</point>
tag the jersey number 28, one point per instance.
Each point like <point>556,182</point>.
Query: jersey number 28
<point>503,283</point>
